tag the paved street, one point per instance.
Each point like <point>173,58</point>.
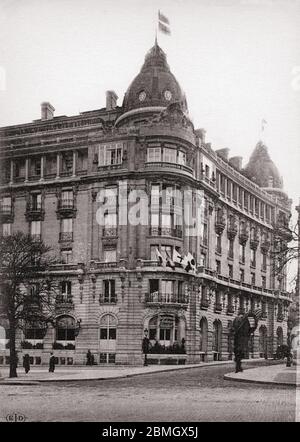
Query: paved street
<point>198,394</point>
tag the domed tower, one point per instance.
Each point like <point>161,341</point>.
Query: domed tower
<point>262,170</point>
<point>153,90</point>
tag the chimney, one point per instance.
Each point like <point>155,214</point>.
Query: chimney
<point>236,162</point>
<point>111,100</point>
<point>223,153</point>
<point>47,111</point>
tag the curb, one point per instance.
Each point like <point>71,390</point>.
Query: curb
<point>228,377</point>
<point>6,381</point>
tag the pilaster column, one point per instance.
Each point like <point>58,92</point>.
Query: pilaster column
<point>11,172</point>
<point>26,169</point>
<point>42,167</point>
<point>74,163</point>
<point>57,166</point>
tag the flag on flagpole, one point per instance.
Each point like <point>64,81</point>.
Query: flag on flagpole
<point>169,261</point>
<point>160,257</point>
<point>263,124</point>
<point>177,258</point>
<point>163,24</point>
<point>191,263</point>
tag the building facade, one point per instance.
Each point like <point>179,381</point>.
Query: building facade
<point>113,286</point>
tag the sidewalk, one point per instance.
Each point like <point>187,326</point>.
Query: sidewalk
<point>273,374</point>
<point>83,373</point>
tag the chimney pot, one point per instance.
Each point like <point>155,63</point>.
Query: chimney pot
<point>236,162</point>
<point>47,111</point>
<point>111,100</point>
<point>223,153</point>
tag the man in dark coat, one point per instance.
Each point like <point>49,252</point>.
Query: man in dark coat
<point>26,363</point>
<point>51,363</point>
<point>242,329</point>
<point>146,347</point>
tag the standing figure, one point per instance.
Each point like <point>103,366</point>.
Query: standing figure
<point>26,363</point>
<point>89,358</point>
<point>51,363</point>
<point>146,347</point>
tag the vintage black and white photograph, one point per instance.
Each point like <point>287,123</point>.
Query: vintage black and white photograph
<point>149,213</point>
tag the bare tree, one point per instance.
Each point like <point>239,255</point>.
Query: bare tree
<point>285,247</point>
<point>26,288</point>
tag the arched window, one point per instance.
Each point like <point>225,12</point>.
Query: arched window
<point>65,328</point>
<point>217,338</point>
<point>203,334</point>
<point>166,330</point>
<point>263,344</point>
<point>108,327</point>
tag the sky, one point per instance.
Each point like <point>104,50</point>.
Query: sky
<point>238,62</point>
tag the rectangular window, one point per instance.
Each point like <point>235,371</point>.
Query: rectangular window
<point>36,201</point>
<point>153,254</point>
<point>110,154</point>
<point>263,282</point>
<point>169,155</point>
<point>181,158</point>
<point>242,253</point>
<point>67,198</point>
<point>110,255</point>
<point>230,271</point>
<point>35,229</point>
<point>252,257</point>
<point>264,261</point>
<point>242,275</point>
<point>67,225</point>
<point>66,288</point>
<point>167,287</point>
<point>6,204</point>
<point>109,290</point>
<point>252,278</point>
<point>153,286</point>
<point>230,248</point>
<point>67,256</point>
<point>153,154</point>
<point>6,229</point>
<point>218,267</point>
<point>219,243</point>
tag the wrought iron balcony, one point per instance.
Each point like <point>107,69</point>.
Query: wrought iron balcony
<point>166,231</point>
<point>110,232</point>
<point>166,298</point>
<point>108,299</point>
<point>34,212</point>
<point>66,236</point>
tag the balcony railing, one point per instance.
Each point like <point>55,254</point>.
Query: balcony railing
<point>110,232</point>
<point>166,231</point>
<point>166,298</point>
<point>66,236</point>
<point>108,299</point>
<point>5,209</point>
<point>36,237</point>
<point>66,204</point>
<point>163,165</point>
<point>63,299</point>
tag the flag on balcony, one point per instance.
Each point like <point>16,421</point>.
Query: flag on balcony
<point>191,263</point>
<point>177,258</point>
<point>169,262</point>
<point>258,313</point>
<point>160,258</point>
<point>163,24</point>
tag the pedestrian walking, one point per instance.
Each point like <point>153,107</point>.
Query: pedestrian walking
<point>51,363</point>
<point>26,363</point>
<point>89,358</point>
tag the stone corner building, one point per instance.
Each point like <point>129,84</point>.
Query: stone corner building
<point>112,287</point>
